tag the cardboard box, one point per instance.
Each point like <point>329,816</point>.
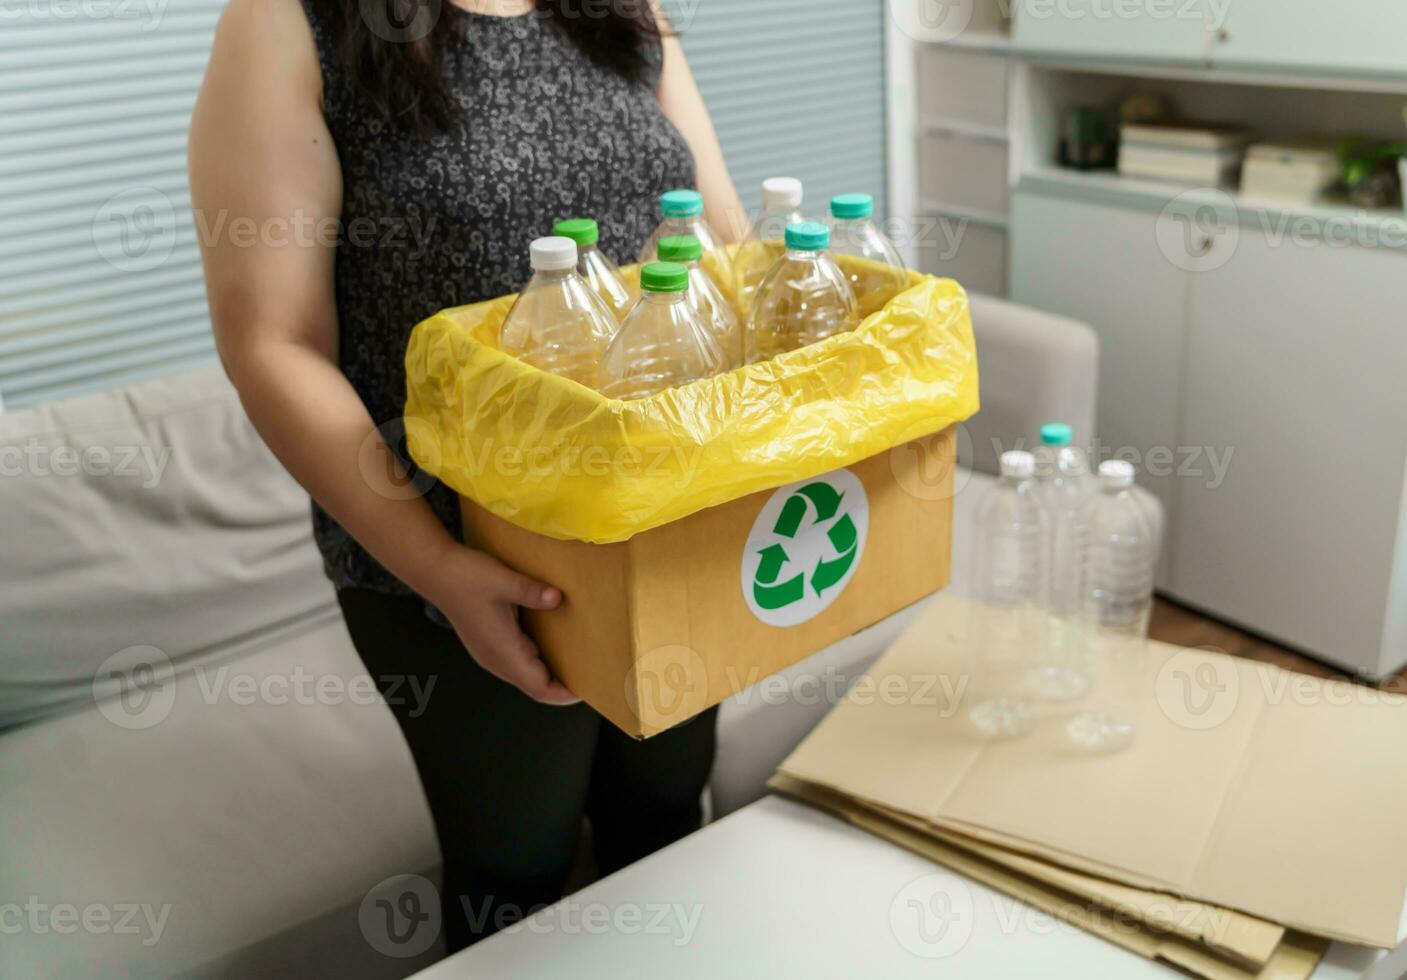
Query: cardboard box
<point>656,629</point>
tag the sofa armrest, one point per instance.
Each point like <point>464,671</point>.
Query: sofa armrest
<point>1035,367</point>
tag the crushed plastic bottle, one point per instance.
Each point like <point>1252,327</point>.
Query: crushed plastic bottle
<point>662,343</point>
<point>803,298</point>
<point>595,266</point>
<point>708,301</point>
<point>558,324</point>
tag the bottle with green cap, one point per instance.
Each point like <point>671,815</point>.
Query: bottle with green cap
<point>682,213</point>
<point>781,203</point>
<point>880,276</point>
<point>662,343</point>
<point>803,298</point>
<point>595,266</point>
<point>707,299</point>
<point>557,324</point>
<point>1064,486</point>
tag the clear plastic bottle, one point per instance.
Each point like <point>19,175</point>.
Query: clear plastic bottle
<point>854,233</point>
<point>682,214</point>
<point>708,301</point>
<point>662,343</point>
<point>1117,556</point>
<point>1063,473</point>
<point>803,298</point>
<point>781,200</point>
<point>558,324</point>
<point>1008,624</point>
<point>595,266</point>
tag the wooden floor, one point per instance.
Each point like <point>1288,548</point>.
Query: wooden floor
<point>1172,623</point>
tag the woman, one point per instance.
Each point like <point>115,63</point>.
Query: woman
<point>437,141</point>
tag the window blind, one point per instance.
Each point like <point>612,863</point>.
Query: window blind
<point>796,88</point>
<point>100,279</point>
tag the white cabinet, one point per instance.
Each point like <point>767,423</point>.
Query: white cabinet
<point>1346,35</point>
<point>1155,30</point>
<point>1285,352</point>
<point>1294,366</point>
<point>1101,264</point>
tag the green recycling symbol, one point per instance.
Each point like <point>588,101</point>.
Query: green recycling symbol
<point>804,511</point>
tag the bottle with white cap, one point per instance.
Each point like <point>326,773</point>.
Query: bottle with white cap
<point>662,343</point>
<point>781,204</point>
<point>1063,474</point>
<point>682,213</point>
<point>704,295</point>
<point>1007,629</point>
<point>803,298</point>
<point>558,324</point>
<point>1117,557</point>
<point>595,266</point>
<point>881,275</point>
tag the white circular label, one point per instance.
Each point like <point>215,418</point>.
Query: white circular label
<point>804,547</point>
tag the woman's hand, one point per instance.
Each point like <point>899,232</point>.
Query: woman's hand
<point>480,596</point>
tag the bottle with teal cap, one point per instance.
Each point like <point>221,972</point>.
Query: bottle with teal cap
<point>1065,487</point>
<point>682,213</point>
<point>595,266</point>
<point>880,276</point>
<point>557,324</point>
<point>707,299</point>
<point>803,298</point>
<point>662,343</point>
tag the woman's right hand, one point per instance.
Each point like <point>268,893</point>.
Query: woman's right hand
<point>480,597</point>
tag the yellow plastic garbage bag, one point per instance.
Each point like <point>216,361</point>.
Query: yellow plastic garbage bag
<point>559,459</point>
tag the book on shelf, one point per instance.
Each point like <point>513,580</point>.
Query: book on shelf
<point>1212,168</point>
<point>1300,171</point>
<point>1186,135</point>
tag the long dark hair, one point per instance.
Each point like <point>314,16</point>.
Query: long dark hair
<point>393,50</point>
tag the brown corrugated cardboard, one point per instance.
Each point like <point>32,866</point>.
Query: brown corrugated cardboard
<point>655,629</point>
<point>1246,787</point>
<point>1294,958</point>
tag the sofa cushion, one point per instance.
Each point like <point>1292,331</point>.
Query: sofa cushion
<point>150,525</point>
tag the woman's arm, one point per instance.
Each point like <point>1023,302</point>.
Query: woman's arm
<point>684,106</point>
<point>266,187</point>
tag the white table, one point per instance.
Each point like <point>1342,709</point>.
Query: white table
<point>779,889</point>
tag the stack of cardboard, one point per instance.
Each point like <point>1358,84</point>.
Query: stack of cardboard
<point>1257,814</point>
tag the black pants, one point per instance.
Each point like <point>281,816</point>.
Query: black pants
<point>509,780</point>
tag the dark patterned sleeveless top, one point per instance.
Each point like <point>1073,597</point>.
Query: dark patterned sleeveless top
<point>439,221</point>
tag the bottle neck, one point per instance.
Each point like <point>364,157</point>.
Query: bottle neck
<point>804,254</point>
<point>553,275</point>
<point>663,297</point>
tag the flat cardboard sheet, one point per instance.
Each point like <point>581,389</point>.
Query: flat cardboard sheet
<point>1293,958</point>
<point>1247,786</point>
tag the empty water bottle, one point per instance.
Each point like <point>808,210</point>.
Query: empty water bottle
<point>662,343</point>
<point>1008,616</point>
<point>1063,474</point>
<point>682,214</point>
<point>558,324</point>
<point>781,200</point>
<point>803,298</point>
<point>1117,556</point>
<point>881,275</point>
<point>707,299</point>
<point>595,266</point>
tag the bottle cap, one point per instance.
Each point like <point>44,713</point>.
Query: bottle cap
<point>1116,474</point>
<point>681,203</point>
<point>552,253</point>
<point>845,206</point>
<point>1018,464</point>
<point>664,277</point>
<point>680,248</point>
<point>1056,434</point>
<point>808,236</point>
<point>583,231</point>
<point>781,192</point>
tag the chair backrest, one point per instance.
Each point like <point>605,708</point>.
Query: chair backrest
<point>1034,367</point>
